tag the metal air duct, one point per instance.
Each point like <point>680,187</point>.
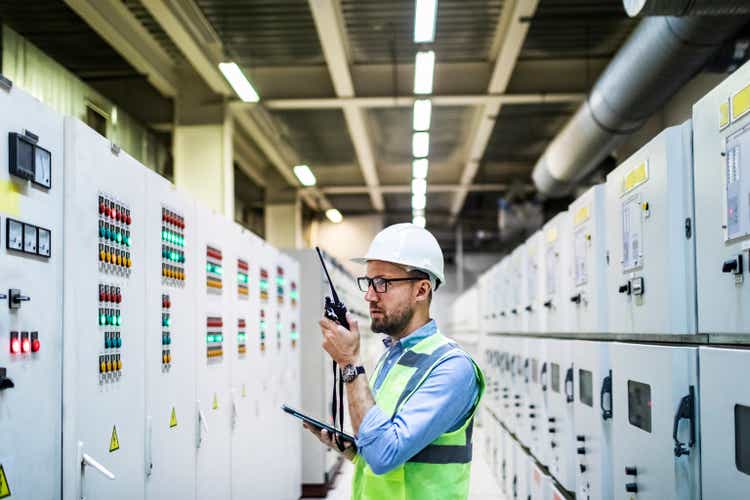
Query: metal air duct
<point>685,7</point>
<point>661,55</point>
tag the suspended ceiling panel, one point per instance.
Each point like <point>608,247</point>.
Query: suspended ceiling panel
<point>577,29</point>
<point>320,137</point>
<point>265,32</point>
<point>382,31</point>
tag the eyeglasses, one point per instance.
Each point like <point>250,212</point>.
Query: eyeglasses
<point>380,284</point>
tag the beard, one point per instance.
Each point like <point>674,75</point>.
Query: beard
<point>392,323</point>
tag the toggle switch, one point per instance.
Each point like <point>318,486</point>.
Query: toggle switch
<point>631,471</point>
<point>624,288</point>
<point>581,450</point>
<point>631,488</point>
<point>733,265</point>
<point>580,438</point>
<point>16,299</point>
<point>576,299</point>
<point>583,468</point>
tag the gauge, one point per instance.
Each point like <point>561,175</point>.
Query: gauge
<point>44,248</point>
<point>29,238</point>
<point>42,167</point>
<point>14,235</point>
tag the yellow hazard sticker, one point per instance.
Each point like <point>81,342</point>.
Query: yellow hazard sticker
<point>723,115</point>
<point>741,103</point>
<point>10,199</point>
<point>635,177</point>
<point>173,419</point>
<point>581,216</point>
<point>215,406</point>
<point>4,486</point>
<point>114,441</point>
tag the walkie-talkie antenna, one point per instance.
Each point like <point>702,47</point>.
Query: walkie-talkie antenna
<point>330,283</point>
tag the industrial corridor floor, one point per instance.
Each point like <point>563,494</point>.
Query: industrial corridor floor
<point>483,485</point>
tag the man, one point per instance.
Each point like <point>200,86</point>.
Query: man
<point>413,419</point>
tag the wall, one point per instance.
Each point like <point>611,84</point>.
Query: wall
<point>348,239</point>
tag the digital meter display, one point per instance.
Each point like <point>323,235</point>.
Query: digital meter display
<point>585,388</point>
<point>639,405</point>
<point>554,376</point>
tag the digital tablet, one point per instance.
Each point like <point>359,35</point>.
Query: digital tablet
<point>317,423</point>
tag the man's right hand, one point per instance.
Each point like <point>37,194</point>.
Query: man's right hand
<point>323,435</point>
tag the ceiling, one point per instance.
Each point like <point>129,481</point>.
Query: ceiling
<point>280,46</point>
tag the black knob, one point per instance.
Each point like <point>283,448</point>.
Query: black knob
<point>533,427</point>
<point>532,415</point>
<point>552,430</point>
<point>631,471</point>
<point>514,311</point>
<point>732,265</point>
<point>552,444</point>
<point>583,468</point>
<point>581,438</point>
<point>551,420</point>
<point>531,407</point>
<point>517,405</point>
<point>581,450</point>
<point>505,396</point>
<point>576,298</point>
<point>528,308</point>
<point>548,304</point>
<point>518,415</point>
<point>631,488</point>
<point>624,288</point>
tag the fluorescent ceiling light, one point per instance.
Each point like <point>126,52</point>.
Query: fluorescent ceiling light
<point>418,201</point>
<point>305,175</point>
<point>422,114</point>
<point>423,70</point>
<point>419,220</point>
<point>334,215</point>
<point>424,21</point>
<point>418,186</point>
<point>420,144</point>
<point>419,168</point>
<point>239,82</point>
<point>416,213</point>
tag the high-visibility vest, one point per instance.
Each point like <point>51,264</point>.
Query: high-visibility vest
<point>442,469</point>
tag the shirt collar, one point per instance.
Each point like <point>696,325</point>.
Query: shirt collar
<point>414,337</point>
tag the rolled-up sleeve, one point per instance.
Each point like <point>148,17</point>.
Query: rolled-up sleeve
<point>441,404</point>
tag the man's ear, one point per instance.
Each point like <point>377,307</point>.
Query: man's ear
<point>423,290</point>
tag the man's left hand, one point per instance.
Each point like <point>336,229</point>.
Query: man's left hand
<point>340,343</point>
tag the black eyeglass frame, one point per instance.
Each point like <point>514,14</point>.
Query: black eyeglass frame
<point>386,281</point>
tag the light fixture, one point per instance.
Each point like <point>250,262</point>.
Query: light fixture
<point>415,213</point>
<point>419,220</point>
<point>424,21</point>
<point>334,215</point>
<point>305,175</point>
<point>418,201</point>
<point>418,186</point>
<point>422,114</point>
<point>423,70</point>
<point>420,144</point>
<point>419,168</point>
<point>239,82</point>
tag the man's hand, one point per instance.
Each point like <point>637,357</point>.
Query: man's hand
<point>322,434</point>
<point>340,343</point>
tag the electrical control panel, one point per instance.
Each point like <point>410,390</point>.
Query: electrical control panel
<point>532,275</point>
<point>501,292</point>
<point>721,128</point>
<point>170,329</point>
<point>558,408</point>
<point>31,271</point>
<point>517,289</point>
<point>244,391</point>
<point>105,309</point>
<point>556,310</point>
<point>656,449</point>
<point>592,411</point>
<point>535,367</point>
<point>216,324</point>
<point>588,266</point>
<point>724,422</point>
<point>650,243</point>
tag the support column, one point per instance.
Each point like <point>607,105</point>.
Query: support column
<point>202,147</point>
<point>283,214</point>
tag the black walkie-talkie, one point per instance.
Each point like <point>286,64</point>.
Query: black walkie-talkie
<point>335,310</point>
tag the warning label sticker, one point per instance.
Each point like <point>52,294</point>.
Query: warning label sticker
<point>173,419</point>
<point>4,486</point>
<point>114,441</point>
<point>215,406</point>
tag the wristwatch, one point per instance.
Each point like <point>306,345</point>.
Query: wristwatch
<point>349,372</point>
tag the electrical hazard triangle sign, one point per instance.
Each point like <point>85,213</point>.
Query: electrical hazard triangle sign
<point>4,486</point>
<point>114,442</point>
<point>173,419</point>
<point>215,406</point>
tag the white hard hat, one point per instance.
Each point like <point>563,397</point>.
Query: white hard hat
<point>408,245</point>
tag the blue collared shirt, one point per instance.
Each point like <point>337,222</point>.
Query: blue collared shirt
<point>441,404</point>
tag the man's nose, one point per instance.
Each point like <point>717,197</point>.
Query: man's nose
<point>371,295</point>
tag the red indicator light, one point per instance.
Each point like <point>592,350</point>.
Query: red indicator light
<point>15,346</point>
<point>35,345</point>
<point>25,345</point>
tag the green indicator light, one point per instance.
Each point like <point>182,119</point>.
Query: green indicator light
<point>119,320</point>
<point>128,241</point>
<point>102,319</point>
<point>119,237</point>
<point>163,235</point>
<point>218,270</point>
<point>102,231</point>
<point>208,268</point>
